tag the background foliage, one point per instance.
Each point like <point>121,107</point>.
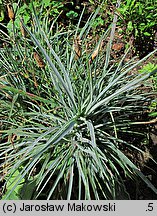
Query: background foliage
<point>68,106</point>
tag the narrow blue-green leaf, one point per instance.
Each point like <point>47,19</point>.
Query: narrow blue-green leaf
<point>70,182</point>
<point>62,82</point>
<point>92,133</point>
<point>137,171</point>
<point>60,175</point>
<point>82,174</point>
<point>129,86</point>
<point>111,84</point>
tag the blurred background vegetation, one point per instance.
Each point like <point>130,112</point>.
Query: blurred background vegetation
<point>137,19</point>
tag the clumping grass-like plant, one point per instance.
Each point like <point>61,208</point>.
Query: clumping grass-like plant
<point>62,115</point>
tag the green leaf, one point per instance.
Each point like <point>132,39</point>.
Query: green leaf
<point>15,194</point>
<point>130,26</point>
<point>147,34</point>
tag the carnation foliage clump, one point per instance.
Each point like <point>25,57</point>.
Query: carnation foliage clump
<point>63,111</point>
